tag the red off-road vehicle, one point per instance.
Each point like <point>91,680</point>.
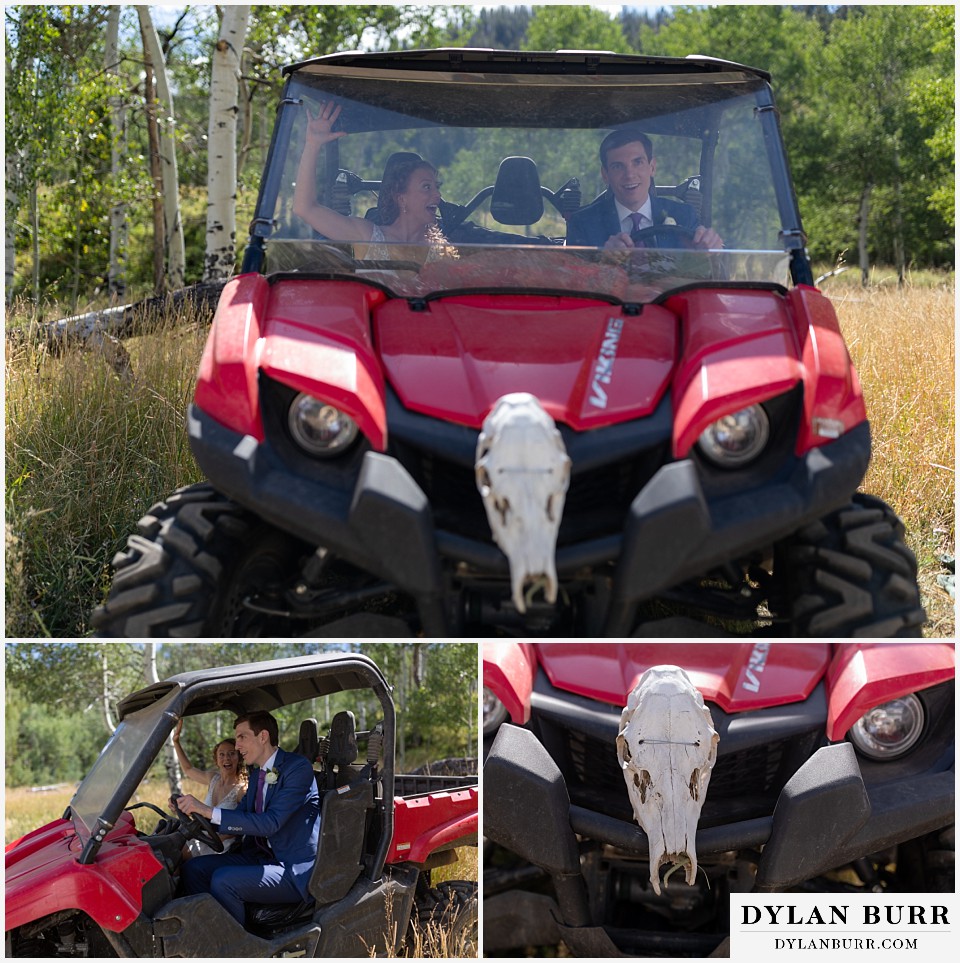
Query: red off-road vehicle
<point>94,883</point>
<point>834,773</point>
<point>501,432</point>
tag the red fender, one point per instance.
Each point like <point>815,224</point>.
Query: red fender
<point>108,890</point>
<point>509,669</point>
<point>277,330</point>
<point>832,392</point>
<point>739,349</point>
<point>417,833</point>
<point>864,675</point>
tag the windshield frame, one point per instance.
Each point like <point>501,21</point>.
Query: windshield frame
<point>149,715</point>
<point>112,780</point>
<point>710,87</point>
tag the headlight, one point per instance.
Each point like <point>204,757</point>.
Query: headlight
<point>494,712</point>
<point>319,428</point>
<point>888,731</point>
<point>734,440</point>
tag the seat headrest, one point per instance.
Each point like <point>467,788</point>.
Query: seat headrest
<point>308,744</point>
<point>343,740</point>
<point>517,198</point>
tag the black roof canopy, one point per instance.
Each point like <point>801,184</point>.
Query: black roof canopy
<point>559,62</point>
<point>490,88</point>
<point>263,685</point>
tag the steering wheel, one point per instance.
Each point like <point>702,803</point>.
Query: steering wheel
<point>669,231</point>
<point>199,827</point>
<point>167,822</point>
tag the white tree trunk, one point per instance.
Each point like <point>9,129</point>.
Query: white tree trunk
<point>173,228</point>
<point>222,145</point>
<point>11,206</point>
<point>863,221</point>
<point>169,753</point>
<point>116,277</point>
<point>105,693</point>
<point>10,223</point>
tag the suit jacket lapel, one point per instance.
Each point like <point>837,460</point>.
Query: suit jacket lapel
<point>612,223</point>
<point>277,763</point>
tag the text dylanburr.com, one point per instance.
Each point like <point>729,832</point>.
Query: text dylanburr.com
<point>799,925</point>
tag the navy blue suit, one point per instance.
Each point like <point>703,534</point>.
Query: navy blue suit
<point>592,225</point>
<point>289,823</point>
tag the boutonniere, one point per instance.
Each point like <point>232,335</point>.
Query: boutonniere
<point>270,776</point>
<point>669,222</point>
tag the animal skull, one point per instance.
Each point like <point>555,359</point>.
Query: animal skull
<point>667,747</point>
<point>522,471</point>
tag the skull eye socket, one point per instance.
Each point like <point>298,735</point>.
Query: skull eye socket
<point>642,781</point>
<point>695,785</point>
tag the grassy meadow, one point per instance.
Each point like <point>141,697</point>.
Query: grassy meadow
<point>92,443</point>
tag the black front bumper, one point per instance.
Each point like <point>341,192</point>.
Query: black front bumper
<point>825,817</point>
<point>385,524</point>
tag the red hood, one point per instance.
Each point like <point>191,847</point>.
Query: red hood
<point>734,675</point>
<point>588,364</point>
<point>44,877</point>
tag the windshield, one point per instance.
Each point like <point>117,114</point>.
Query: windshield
<point>123,763</point>
<point>505,174</point>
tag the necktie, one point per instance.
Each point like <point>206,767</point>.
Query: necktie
<point>258,802</point>
<point>261,841</point>
<point>638,220</point>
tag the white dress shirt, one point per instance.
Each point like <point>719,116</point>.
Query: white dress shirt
<point>626,221</point>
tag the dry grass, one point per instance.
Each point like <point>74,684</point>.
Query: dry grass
<point>25,809</point>
<point>88,451</point>
<point>902,344</point>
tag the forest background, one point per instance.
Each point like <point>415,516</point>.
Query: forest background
<point>100,100</point>
<point>61,700</point>
<point>866,99</point>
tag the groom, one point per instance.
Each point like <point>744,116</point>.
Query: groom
<point>279,819</point>
<point>630,202</point>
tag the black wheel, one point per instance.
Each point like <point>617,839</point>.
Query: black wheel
<point>200,566</point>
<point>450,909</point>
<point>851,575</point>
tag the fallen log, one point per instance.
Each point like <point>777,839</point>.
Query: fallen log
<point>103,331</point>
<point>123,321</point>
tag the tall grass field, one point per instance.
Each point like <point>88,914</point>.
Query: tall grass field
<point>92,444</point>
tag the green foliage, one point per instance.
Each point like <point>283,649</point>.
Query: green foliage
<point>865,95</point>
<point>589,28</point>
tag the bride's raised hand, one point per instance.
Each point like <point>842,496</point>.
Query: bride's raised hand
<point>320,127</point>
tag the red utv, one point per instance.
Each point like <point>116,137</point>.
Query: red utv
<point>96,884</point>
<point>508,434</point>
<point>834,773</point>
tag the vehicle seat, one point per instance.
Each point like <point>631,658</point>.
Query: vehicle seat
<point>687,192</point>
<point>517,195</point>
<point>308,745</point>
